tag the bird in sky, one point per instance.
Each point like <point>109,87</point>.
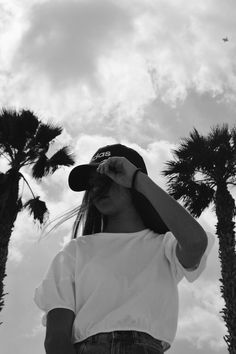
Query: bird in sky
<point>226,39</point>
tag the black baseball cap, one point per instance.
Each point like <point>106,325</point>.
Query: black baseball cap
<point>79,176</point>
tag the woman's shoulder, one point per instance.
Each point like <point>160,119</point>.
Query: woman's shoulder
<point>75,244</point>
<point>70,247</point>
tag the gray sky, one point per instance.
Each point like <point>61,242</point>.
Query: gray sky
<point>139,72</point>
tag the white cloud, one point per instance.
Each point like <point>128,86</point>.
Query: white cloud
<point>65,39</point>
<point>87,145</point>
<point>187,50</point>
<point>199,321</point>
<point>37,330</point>
<point>202,329</point>
<point>98,57</point>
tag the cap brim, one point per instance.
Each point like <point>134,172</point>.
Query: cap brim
<point>79,176</point>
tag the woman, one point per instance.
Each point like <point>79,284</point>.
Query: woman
<point>114,289</point>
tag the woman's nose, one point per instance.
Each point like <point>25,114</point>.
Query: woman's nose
<point>95,189</point>
<point>99,184</point>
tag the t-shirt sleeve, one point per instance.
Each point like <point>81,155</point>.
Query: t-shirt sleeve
<point>170,243</point>
<point>58,286</point>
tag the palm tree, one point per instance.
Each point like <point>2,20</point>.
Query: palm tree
<point>24,141</point>
<point>202,169</point>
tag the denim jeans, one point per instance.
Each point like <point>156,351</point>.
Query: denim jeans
<point>120,342</point>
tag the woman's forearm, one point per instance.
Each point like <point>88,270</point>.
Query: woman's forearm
<point>184,227</point>
<point>59,345</point>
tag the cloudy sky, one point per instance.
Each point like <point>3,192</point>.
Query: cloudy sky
<point>139,72</point>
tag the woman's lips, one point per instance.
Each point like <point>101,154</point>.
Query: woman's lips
<point>104,197</point>
<point>101,197</point>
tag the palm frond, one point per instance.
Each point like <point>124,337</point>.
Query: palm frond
<point>8,119</point>
<point>8,131</point>
<point>193,158</point>
<point>62,157</point>
<point>40,168</point>
<point>16,129</point>
<point>174,168</point>
<point>219,141</point>
<point>223,151</point>
<point>218,136</point>
<point>3,178</point>
<point>38,209</point>
<point>193,149</point>
<point>14,132</point>
<point>46,133</point>
<point>29,122</point>
<point>19,204</point>
<point>233,137</point>
<point>196,197</point>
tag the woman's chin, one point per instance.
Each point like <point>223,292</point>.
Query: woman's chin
<point>106,208</point>
<point>102,202</point>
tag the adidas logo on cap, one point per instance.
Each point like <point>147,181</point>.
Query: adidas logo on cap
<point>101,154</point>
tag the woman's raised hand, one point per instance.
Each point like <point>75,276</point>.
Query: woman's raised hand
<point>119,169</point>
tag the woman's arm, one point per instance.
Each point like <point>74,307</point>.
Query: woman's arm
<point>58,332</point>
<point>188,232</point>
<point>59,345</point>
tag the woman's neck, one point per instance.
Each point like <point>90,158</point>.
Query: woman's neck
<point>127,223</point>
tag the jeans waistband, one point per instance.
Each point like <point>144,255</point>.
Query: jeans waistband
<point>131,336</point>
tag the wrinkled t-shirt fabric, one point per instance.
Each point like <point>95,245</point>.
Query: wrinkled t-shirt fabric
<point>118,281</point>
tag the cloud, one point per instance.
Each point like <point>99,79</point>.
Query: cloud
<point>65,39</point>
<point>185,48</point>
<point>202,329</point>
<point>104,62</point>
<point>200,322</point>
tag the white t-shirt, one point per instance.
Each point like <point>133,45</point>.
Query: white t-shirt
<point>118,281</point>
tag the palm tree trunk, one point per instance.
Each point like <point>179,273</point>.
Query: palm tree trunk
<point>8,217</point>
<point>225,208</point>
<point>5,231</point>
